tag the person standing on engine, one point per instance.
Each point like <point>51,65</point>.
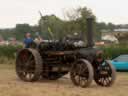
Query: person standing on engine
<point>28,40</point>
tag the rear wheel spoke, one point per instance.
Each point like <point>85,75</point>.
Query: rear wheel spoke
<point>83,76</point>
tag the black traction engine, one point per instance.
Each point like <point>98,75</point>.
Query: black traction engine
<point>54,59</point>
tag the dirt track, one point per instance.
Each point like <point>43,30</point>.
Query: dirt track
<point>10,85</point>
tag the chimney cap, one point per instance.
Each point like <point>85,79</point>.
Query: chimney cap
<point>90,17</point>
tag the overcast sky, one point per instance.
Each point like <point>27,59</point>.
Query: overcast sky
<point>26,11</point>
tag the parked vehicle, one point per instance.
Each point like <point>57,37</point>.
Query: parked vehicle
<point>120,63</point>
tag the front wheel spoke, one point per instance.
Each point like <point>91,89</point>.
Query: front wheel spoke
<point>101,78</point>
<point>83,81</point>
<point>104,82</point>
<point>107,80</point>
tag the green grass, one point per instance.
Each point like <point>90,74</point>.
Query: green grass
<point>5,60</point>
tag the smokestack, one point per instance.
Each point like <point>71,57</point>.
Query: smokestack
<point>90,32</point>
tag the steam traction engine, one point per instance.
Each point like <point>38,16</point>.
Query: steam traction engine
<point>52,60</point>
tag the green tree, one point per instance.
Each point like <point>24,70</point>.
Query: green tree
<point>21,29</point>
<point>54,24</point>
<point>77,21</point>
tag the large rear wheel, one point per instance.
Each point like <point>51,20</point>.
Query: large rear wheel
<point>82,73</point>
<point>28,65</point>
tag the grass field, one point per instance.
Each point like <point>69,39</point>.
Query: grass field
<point>10,85</point>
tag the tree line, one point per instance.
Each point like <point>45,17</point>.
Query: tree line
<point>51,26</point>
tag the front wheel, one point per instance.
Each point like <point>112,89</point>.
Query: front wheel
<point>82,73</point>
<point>105,74</point>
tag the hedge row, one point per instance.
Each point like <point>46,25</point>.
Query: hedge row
<point>9,51</point>
<point>110,51</point>
<point>115,50</point>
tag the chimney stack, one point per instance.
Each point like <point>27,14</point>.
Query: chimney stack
<point>90,32</point>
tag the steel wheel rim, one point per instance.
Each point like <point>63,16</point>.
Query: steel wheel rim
<point>107,77</point>
<point>26,66</point>
<point>81,74</point>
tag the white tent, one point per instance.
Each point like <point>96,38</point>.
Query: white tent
<point>110,38</point>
